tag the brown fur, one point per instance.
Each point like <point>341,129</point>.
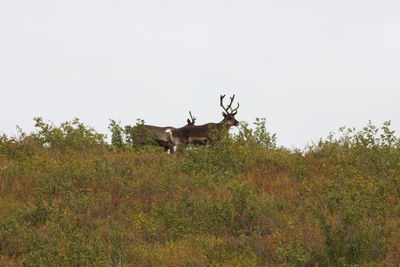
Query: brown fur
<point>203,134</point>
<point>158,134</point>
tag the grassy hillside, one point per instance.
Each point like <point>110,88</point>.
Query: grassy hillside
<point>67,198</point>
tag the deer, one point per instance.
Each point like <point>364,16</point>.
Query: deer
<point>203,134</point>
<point>145,133</point>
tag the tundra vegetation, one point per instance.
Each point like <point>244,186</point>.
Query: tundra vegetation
<point>70,198</point>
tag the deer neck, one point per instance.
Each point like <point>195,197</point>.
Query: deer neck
<point>223,126</point>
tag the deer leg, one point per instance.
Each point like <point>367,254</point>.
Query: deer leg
<point>171,148</point>
<point>208,142</point>
<point>166,148</point>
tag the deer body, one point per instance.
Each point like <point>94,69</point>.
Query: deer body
<point>146,133</point>
<point>203,134</point>
<point>155,133</point>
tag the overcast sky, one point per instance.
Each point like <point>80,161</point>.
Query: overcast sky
<point>309,67</point>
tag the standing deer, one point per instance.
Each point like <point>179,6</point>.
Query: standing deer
<point>203,134</point>
<point>148,133</point>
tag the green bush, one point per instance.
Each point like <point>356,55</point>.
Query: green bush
<point>357,234</point>
<point>71,134</point>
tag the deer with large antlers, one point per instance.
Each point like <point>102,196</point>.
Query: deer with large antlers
<point>145,133</point>
<point>203,134</point>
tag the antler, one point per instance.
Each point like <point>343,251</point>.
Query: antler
<point>221,103</point>
<point>234,110</point>
<point>229,107</point>
<point>192,117</point>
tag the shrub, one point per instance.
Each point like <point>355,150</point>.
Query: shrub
<point>354,221</point>
<point>73,134</point>
<point>67,199</point>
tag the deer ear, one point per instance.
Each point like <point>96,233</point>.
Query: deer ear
<point>188,121</point>
<point>224,114</point>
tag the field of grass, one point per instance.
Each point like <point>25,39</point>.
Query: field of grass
<point>67,198</point>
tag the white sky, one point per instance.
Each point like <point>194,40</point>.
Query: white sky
<point>309,67</point>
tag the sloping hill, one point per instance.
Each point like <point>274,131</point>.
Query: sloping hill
<point>67,198</point>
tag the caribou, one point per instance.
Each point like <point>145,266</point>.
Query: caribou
<point>145,133</point>
<point>203,134</point>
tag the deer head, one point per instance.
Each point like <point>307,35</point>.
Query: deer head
<point>190,122</point>
<point>229,112</point>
